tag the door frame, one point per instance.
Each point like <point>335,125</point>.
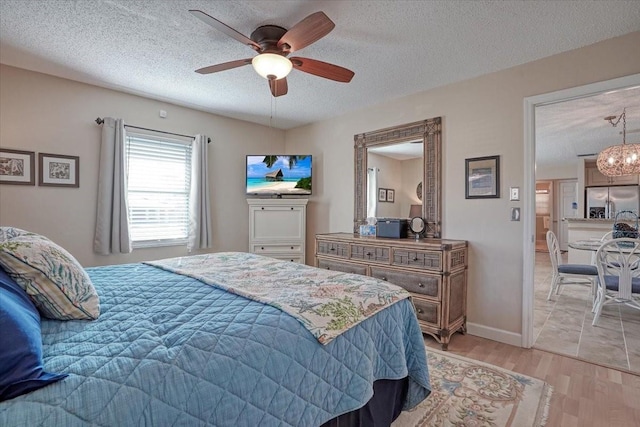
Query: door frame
<point>530,103</point>
<point>558,204</point>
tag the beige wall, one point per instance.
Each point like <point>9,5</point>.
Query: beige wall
<point>481,117</point>
<point>47,114</point>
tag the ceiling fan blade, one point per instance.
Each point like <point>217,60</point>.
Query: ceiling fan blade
<point>221,26</point>
<point>225,66</point>
<point>309,30</point>
<point>278,87</point>
<point>322,69</point>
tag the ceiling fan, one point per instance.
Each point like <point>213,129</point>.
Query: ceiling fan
<point>274,44</point>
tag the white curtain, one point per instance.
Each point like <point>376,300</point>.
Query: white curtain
<point>112,217</point>
<point>372,192</point>
<point>199,202</point>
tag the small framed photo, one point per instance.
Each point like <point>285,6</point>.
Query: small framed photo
<point>482,177</point>
<point>57,170</point>
<point>17,167</point>
<point>382,194</point>
<point>391,195</point>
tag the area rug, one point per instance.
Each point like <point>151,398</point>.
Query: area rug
<point>467,392</point>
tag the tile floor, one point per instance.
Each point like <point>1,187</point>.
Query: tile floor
<point>563,324</point>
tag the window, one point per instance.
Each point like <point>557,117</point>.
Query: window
<point>159,176</point>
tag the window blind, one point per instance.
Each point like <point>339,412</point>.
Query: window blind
<point>159,176</point>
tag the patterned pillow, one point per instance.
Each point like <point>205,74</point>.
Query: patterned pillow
<point>53,278</point>
<point>7,233</point>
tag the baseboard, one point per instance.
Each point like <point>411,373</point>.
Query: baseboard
<point>494,334</point>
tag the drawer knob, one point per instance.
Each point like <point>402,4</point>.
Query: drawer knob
<point>421,285</point>
<point>262,247</point>
<point>384,278</point>
<point>368,253</point>
<point>419,310</point>
<point>262,208</point>
<point>291,247</point>
<point>415,258</point>
<point>333,249</point>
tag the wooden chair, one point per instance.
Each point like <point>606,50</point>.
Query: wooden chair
<point>568,274</point>
<point>618,264</point>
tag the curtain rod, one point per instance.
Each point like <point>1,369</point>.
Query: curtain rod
<point>101,121</point>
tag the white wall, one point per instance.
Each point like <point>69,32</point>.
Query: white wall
<point>481,117</point>
<point>47,114</point>
<point>389,177</point>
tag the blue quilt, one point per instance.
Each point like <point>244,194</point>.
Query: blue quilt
<point>169,350</point>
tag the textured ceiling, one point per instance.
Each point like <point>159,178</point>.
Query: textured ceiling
<point>395,48</point>
<point>567,130</point>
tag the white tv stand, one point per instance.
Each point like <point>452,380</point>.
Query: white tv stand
<point>277,228</point>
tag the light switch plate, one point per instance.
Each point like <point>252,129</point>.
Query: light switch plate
<point>514,193</point>
<point>515,214</point>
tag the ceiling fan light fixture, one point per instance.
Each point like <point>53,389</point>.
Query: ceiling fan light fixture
<point>272,66</point>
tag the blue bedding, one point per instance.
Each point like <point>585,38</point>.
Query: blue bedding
<point>169,350</point>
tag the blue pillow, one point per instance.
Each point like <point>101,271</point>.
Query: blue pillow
<point>21,368</point>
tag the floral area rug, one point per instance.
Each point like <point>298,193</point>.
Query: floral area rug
<point>467,392</point>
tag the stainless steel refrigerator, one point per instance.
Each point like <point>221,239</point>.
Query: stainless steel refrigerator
<point>606,202</point>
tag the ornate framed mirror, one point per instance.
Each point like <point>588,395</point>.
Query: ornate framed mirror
<point>430,133</point>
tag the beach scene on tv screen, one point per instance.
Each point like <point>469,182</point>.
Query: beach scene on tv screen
<point>278,174</point>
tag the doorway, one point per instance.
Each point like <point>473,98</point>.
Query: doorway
<point>544,213</point>
<point>529,193</point>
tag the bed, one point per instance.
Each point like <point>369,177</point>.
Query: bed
<point>170,349</point>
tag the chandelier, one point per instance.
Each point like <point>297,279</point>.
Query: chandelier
<point>622,159</point>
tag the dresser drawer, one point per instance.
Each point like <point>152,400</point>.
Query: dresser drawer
<point>427,311</point>
<point>290,258</point>
<point>427,260</point>
<point>259,248</point>
<point>429,285</point>
<point>370,253</point>
<point>342,266</point>
<point>333,248</point>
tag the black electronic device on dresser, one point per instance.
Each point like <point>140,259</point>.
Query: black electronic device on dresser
<point>394,228</point>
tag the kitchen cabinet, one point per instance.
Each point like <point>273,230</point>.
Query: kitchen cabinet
<point>593,178</point>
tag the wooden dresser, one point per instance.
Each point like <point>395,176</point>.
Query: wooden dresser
<point>434,271</point>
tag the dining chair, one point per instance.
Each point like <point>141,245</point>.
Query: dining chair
<point>568,274</point>
<point>607,236</point>
<point>618,264</point>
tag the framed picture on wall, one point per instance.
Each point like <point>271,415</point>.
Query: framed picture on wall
<point>57,170</point>
<point>17,167</point>
<point>382,194</point>
<point>391,195</point>
<point>482,177</point>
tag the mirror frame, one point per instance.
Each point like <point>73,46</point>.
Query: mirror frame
<point>430,132</point>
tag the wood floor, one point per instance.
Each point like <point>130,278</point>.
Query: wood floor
<point>584,394</point>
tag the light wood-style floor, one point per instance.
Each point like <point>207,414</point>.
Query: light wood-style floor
<point>584,394</point>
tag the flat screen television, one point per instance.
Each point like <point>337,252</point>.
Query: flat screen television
<point>278,175</point>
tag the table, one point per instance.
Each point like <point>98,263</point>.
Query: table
<point>586,245</point>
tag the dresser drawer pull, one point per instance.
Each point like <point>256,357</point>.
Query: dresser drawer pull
<point>333,249</point>
<point>415,258</point>
<point>291,247</point>
<point>419,310</point>
<point>384,278</point>
<point>262,248</point>
<point>368,254</point>
<point>421,285</point>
